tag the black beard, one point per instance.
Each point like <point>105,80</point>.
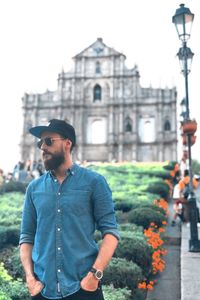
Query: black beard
<point>54,162</point>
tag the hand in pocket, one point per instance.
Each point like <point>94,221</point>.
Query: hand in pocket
<point>34,286</point>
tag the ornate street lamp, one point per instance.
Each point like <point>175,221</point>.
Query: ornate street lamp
<point>183,20</point>
<point>185,55</point>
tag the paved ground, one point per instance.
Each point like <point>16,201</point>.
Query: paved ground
<point>190,263</point>
<point>190,268</point>
<point>168,286</point>
<point>181,278</point>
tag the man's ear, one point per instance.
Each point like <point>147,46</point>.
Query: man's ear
<point>69,143</point>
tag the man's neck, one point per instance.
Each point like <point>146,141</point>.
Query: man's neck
<point>61,173</point>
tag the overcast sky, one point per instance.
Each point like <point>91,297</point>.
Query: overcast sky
<point>39,37</point>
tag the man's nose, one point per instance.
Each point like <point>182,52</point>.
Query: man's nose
<point>43,146</point>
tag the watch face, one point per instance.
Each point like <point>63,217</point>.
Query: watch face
<point>98,274</point>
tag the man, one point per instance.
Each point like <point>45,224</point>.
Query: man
<point>62,210</point>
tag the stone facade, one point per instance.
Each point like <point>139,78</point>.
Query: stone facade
<point>115,118</point>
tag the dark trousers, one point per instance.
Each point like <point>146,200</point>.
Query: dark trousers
<point>80,295</point>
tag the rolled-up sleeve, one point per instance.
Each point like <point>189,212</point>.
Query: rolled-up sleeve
<point>28,224</point>
<point>104,212</point>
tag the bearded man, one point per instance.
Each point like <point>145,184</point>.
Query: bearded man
<point>62,210</point>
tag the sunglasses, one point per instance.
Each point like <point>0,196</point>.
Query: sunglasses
<point>48,141</point>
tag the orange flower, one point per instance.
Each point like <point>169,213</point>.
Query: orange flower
<point>149,287</point>
<point>162,203</point>
<point>145,285</point>
<point>142,285</point>
<point>153,235</point>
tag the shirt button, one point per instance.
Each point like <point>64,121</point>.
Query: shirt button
<point>58,193</point>
<point>59,248</point>
<point>55,180</point>
<point>58,210</point>
<point>58,229</point>
<point>59,270</point>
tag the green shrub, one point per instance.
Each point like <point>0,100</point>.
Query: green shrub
<point>16,290</point>
<point>159,188</point>
<point>13,186</point>
<point>9,236</point>
<point>10,258</point>
<point>162,174</point>
<point>152,206</point>
<point>11,208</point>
<point>125,203</point>
<point>122,273</point>
<point>121,217</point>
<point>131,227</point>
<point>124,206</point>
<point>144,216</point>
<point>110,293</point>
<point>134,247</point>
<point>13,289</point>
<point>4,296</point>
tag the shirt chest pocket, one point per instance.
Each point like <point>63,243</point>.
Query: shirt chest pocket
<point>77,202</point>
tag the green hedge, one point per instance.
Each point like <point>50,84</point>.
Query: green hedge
<point>11,289</point>
<point>10,258</point>
<point>159,188</point>
<point>9,236</point>
<point>134,247</point>
<point>110,293</point>
<point>144,216</point>
<point>131,227</point>
<point>13,186</point>
<point>122,273</point>
<point>11,208</point>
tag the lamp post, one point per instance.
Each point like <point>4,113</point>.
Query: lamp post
<point>183,20</point>
<point>183,109</point>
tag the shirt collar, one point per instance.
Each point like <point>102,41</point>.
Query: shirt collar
<point>70,171</point>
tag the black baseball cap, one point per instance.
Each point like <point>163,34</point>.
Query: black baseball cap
<point>58,126</point>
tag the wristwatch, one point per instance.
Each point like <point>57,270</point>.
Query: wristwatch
<point>98,274</point>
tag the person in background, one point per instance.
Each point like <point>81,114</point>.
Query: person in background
<point>40,167</point>
<point>23,175</point>
<point>178,211</point>
<point>62,210</point>
<point>184,184</point>
<point>181,192</point>
<point>178,201</point>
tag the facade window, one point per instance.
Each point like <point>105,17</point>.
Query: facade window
<point>96,131</point>
<point>98,67</point>
<point>97,92</point>
<point>147,129</point>
<point>128,125</point>
<point>167,126</point>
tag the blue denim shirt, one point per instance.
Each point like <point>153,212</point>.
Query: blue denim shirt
<point>60,220</point>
